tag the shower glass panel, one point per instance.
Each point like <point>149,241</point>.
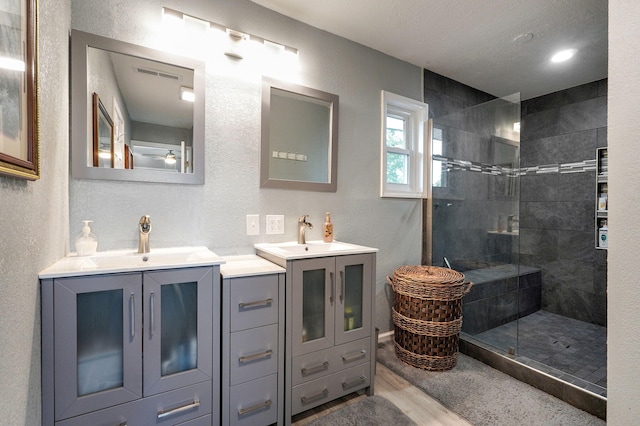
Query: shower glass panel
<point>474,208</point>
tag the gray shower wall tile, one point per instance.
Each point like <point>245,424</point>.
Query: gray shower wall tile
<point>568,274</point>
<point>576,215</point>
<point>576,146</point>
<point>539,187</point>
<point>577,186</point>
<point>539,215</point>
<point>576,245</point>
<point>540,125</point>
<point>580,305</point>
<point>539,242</point>
<point>601,141</point>
<point>590,114</point>
<point>536,152</point>
<point>564,97</point>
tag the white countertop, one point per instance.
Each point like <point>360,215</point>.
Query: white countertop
<point>130,260</point>
<point>248,265</point>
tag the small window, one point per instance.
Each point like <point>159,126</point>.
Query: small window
<point>402,156</point>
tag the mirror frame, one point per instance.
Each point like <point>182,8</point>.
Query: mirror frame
<point>81,112</point>
<point>265,151</point>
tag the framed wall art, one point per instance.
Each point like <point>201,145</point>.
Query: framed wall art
<point>19,146</point>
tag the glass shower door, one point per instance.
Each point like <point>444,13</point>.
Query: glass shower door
<point>473,213</point>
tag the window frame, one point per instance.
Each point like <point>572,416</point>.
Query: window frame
<point>415,113</point>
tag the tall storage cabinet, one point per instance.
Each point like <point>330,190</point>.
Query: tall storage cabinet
<point>132,348</point>
<point>252,341</point>
<point>329,328</point>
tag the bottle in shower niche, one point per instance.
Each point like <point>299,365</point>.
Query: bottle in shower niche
<point>603,237</point>
<point>327,233</point>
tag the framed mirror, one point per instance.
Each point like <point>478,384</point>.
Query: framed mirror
<point>299,137</point>
<point>142,97</point>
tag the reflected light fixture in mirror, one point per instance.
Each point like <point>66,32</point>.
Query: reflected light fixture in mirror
<point>143,118</point>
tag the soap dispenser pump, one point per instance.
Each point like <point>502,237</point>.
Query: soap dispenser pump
<point>86,242</point>
<point>327,235</point>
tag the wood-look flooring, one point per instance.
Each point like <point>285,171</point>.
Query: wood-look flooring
<point>415,404</point>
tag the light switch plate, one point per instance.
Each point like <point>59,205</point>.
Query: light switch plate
<point>253,224</point>
<point>275,224</point>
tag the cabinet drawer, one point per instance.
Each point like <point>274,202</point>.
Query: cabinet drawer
<point>317,364</point>
<point>328,388</point>
<point>169,408</point>
<point>200,421</point>
<point>253,353</point>
<point>254,301</point>
<point>254,402</point>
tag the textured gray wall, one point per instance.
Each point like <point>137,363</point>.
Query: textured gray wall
<point>34,226</point>
<point>214,214</point>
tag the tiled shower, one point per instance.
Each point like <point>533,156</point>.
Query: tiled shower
<point>513,207</point>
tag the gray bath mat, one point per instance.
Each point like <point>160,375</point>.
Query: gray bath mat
<point>485,396</point>
<point>373,410</point>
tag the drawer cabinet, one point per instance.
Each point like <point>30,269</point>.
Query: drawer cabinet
<point>329,329</point>
<point>330,387</point>
<point>131,348</point>
<point>252,342</point>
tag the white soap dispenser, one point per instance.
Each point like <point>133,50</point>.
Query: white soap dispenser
<point>86,242</point>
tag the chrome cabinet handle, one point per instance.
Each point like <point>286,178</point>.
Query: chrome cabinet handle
<point>359,380</point>
<point>265,354</point>
<point>320,395</point>
<point>341,286</point>
<point>132,313</point>
<point>333,288</point>
<point>256,303</point>
<point>306,371</point>
<point>260,406</point>
<point>152,316</point>
<point>360,354</point>
<point>166,413</point>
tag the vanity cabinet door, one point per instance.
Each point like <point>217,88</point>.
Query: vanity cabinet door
<point>353,306</point>
<point>177,328</point>
<point>313,300</point>
<point>98,342</point>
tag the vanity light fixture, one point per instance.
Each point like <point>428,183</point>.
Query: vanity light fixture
<point>237,39</point>
<point>170,158</point>
<point>563,55</point>
<point>186,94</point>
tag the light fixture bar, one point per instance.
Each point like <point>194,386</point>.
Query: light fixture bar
<point>173,13</point>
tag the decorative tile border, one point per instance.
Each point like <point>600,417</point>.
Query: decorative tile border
<point>452,164</point>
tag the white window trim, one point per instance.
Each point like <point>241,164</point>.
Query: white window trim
<point>416,113</point>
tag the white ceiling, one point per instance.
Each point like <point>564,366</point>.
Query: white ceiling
<point>480,43</point>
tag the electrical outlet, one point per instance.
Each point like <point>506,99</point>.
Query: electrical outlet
<point>275,224</point>
<point>253,224</point>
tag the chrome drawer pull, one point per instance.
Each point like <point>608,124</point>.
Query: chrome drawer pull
<point>361,354</point>
<point>265,354</point>
<point>359,380</point>
<point>320,395</point>
<point>306,371</point>
<point>163,414</point>
<point>265,302</point>
<point>260,406</point>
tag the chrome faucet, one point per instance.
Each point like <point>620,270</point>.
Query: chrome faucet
<point>145,228</point>
<point>302,226</point>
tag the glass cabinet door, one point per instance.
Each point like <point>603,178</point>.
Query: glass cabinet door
<point>177,328</point>
<point>353,308</point>
<point>313,303</point>
<point>98,325</point>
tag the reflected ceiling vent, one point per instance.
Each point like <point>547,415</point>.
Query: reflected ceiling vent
<point>155,73</point>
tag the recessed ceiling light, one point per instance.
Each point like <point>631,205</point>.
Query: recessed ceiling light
<point>563,55</point>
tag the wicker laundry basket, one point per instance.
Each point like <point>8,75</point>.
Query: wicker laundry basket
<point>427,315</point>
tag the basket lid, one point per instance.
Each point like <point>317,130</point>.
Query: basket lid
<point>428,274</point>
